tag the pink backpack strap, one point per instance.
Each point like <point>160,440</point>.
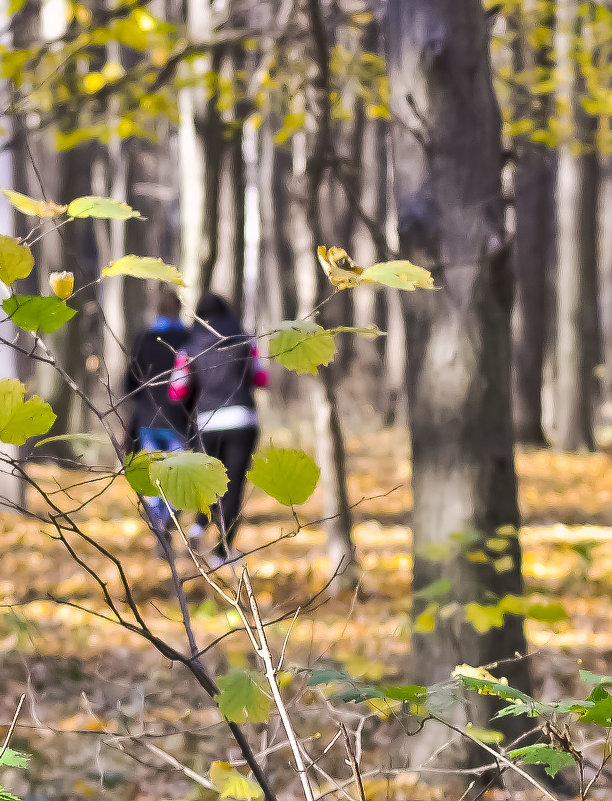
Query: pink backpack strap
<point>261,376</point>
<point>179,386</point>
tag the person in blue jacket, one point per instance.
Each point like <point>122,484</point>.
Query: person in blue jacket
<point>157,423</point>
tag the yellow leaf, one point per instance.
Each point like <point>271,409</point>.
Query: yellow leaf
<point>504,565</point>
<point>62,283</point>
<point>84,788</point>
<point>484,616</point>
<point>382,707</point>
<point>112,71</point>
<point>31,207</point>
<point>339,267</point>
<point>361,668</point>
<point>477,673</point>
<point>426,621</point>
<point>232,784</point>
<point>93,82</point>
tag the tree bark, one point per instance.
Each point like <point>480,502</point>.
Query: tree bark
<point>451,220</point>
<point>200,155</point>
<point>605,260</point>
<point>533,234</point>
<point>577,196</point>
<point>10,484</point>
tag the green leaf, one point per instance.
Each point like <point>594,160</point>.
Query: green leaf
<point>516,709</point>
<point>21,419</point>
<point>435,591</point>
<point>357,694</point>
<point>241,697</point>
<point>33,208</point>
<point>302,345</point>
<point>594,678</point>
<point>16,261</point>
<point>577,706</point>
<point>601,711</point>
<point>190,480</point>
<point>232,784</point>
<point>406,692</point>
<point>101,207</point>
<point>326,676</point>
<point>14,759</point>
<point>399,274</point>
<point>286,474</point>
<point>546,613</point>
<point>470,677</point>
<point>35,313</point>
<point>137,467</point>
<point>144,267</point>
<point>541,754</point>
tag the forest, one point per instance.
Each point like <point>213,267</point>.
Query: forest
<point>306,400</point>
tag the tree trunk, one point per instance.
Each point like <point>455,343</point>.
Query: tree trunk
<point>577,194</point>
<point>10,490</point>
<point>330,442</point>
<point>605,260</point>
<point>200,154</point>
<point>534,210</point>
<point>533,235</point>
<point>451,220</point>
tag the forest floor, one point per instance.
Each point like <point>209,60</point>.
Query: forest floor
<point>99,698</point>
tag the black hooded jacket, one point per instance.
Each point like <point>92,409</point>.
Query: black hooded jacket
<point>152,356</point>
<point>221,369</point>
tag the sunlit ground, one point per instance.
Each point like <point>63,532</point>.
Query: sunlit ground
<point>82,673</point>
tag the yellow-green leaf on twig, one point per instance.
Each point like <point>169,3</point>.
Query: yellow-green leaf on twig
<point>34,208</point>
<point>104,208</point>
<point>232,784</point>
<point>36,313</point>
<point>399,274</point>
<point>16,261</point>
<point>286,474</point>
<point>302,345</point>
<point>21,419</point>
<point>144,267</point>
<point>86,439</point>
<point>490,736</point>
<point>137,467</point>
<point>552,759</point>
<point>190,480</point>
<point>371,331</point>
<point>242,698</point>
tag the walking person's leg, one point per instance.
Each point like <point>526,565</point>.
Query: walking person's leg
<point>160,439</point>
<point>236,449</point>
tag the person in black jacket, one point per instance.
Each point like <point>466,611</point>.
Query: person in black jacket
<point>157,423</point>
<point>222,377</point>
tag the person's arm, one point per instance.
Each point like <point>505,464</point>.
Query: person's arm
<point>261,376</point>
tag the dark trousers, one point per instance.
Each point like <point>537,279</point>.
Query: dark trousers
<point>234,448</point>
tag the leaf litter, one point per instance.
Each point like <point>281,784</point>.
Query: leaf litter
<point>89,680</point>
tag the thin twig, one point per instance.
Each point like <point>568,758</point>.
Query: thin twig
<point>9,733</point>
<point>353,762</point>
